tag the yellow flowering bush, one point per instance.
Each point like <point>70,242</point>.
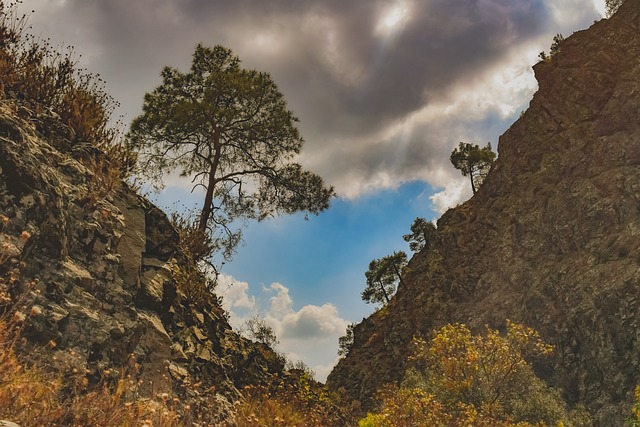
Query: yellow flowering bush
<point>462,379</point>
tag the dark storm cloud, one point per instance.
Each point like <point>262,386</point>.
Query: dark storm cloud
<point>343,77</point>
<point>443,41</point>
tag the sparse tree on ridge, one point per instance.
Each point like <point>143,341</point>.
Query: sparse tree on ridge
<point>383,276</point>
<point>345,342</point>
<point>554,49</point>
<point>473,161</point>
<point>422,233</point>
<point>229,130</point>
<point>258,330</point>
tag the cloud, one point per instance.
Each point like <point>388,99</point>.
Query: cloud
<point>313,321</point>
<point>309,334</point>
<point>323,371</point>
<point>358,85</point>
<point>236,293</point>
<point>280,304</point>
<point>453,194</point>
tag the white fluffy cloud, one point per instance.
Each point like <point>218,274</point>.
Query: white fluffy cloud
<point>309,334</point>
<point>237,294</point>
<point>312,321</point>
<point>454,193</point>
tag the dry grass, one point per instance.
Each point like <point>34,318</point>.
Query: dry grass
<point>47,81</point>
<point>296,400</point>
<point>34,394</point>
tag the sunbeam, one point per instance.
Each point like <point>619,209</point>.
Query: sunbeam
<point>392,19</point>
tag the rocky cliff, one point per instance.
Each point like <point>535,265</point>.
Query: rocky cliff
<point>94,268</point>
<point>552,238</point>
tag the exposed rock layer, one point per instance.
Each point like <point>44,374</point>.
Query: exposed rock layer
<point>105,295</point>
<point>550,240</point>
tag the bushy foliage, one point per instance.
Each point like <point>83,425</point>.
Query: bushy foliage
<point>416,408</point>
<point>473,161</point>
<point>47,83</point>
<point>634,421</point>
<point>195,287</point>
<point>258,330</point>
<point>554,49</point>
<point>345,342</point>
<point>194,274</point>
<point>422,234</point>
<point>463,379</point>
<point>294,400</point>
<point>383,276</point>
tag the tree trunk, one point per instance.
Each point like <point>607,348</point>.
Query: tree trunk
<point>395,268</point>
<point>384,292</point>
<point>207,208</point>
<point>473,187</point>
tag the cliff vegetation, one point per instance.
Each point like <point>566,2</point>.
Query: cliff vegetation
<point>520,308</point>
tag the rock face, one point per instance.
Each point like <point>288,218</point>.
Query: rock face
<point>552,238</point>
<point>100,265</point>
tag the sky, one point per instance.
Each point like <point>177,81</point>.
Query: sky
<point>384,90</point>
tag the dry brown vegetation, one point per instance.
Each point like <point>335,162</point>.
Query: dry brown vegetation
<point>52,90</point>
<point>296,400</point>
<point>34,394</point>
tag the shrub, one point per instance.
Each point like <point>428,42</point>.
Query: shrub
<point>258,330</point>
<point>554,48</point>
<point>612,6</point>
<point>295,400</point>
<point>634,421</point>
<point>405,408</point>
<point>194,274</point>
<point>49,83</point>
<point>461,379</point>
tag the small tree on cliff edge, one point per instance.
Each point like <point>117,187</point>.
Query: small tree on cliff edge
<point>473,161</point>
<point>229,130</point>
<point>382,277</point>
<point>345,342</point>
<point>422,234</point>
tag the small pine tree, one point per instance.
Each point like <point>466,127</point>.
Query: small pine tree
<point>422,234</point>
<point>473,161</point>
<point>383,276</point>
<point>554,49</point>
<point>345,342</point>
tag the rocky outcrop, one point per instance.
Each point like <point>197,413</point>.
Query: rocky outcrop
<point>95,267</point>
<point>550,240</point>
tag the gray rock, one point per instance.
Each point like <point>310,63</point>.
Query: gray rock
<point>105,298</point>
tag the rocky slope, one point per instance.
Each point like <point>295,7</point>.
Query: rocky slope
<point>552,238</point>
<point>96,270</point>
